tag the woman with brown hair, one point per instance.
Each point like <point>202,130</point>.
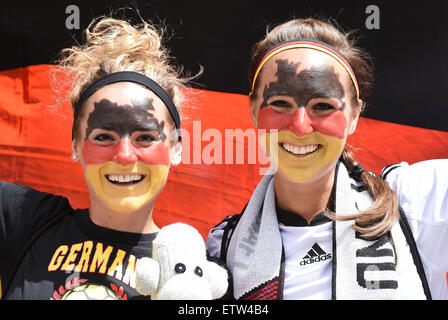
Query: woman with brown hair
<point>318,226</point>
<point>125,97</point>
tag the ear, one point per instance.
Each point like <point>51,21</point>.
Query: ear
<point>353,125</point>
<point>355,116</point>
<point>218,279</point>
<point>147,275</point>
<point>253,109</point>
<point>176,153</point>
<point>75,150</point>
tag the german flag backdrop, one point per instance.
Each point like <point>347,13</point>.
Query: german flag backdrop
<point>406,119</point>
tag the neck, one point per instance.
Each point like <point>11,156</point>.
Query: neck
<point>307,199</point>
<point>139,221</point>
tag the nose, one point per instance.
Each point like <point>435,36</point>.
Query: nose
<point>125,153</point>
<point>301,122</point>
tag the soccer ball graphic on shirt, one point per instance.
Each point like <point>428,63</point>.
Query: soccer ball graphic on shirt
<point>90,292</point>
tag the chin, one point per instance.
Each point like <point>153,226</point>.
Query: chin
<point>305,175</point>
<point>129,205</point>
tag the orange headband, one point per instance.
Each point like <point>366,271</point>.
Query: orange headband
<point>310,44</point>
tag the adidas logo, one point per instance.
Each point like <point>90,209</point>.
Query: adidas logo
<point>316,254</point>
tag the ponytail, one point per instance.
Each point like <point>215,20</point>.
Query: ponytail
<point>384,211</point>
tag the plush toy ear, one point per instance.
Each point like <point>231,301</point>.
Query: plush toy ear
<point>147,276</point>
<point>218,279</point>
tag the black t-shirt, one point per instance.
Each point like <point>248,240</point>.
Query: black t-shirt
<point>72,258</point>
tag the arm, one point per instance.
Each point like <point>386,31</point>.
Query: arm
<point>22,212</point>
<point>422,191</point>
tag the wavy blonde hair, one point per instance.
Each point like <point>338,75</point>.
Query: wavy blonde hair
<point>113,45</point>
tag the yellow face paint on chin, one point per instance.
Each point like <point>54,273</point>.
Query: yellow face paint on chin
<point>301,168</point>
<point>126,198</point>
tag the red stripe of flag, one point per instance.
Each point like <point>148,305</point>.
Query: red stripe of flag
<point>35,149</point>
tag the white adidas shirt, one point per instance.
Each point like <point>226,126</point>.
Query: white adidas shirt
<point>307,271</point>
<point>422,190</point>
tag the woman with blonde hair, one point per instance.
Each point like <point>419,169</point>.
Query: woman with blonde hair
<point>318,226</point>
<point>125,97</point>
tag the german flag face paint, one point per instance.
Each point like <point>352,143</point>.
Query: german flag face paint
<point>126,188</point>
<point>125,154</point>
<point>308,111</point>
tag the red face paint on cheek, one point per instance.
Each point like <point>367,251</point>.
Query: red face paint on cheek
<point>96,154</point>
<point>333,124</point>
<point>270,119</point>
<point>157,153</point>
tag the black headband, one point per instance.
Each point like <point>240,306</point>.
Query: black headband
<point>128,76</point>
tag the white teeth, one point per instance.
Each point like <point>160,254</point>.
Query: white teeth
<point>124,178</point>
<point>300,149</point>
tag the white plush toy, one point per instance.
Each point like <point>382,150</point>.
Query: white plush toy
<point>179,269</point>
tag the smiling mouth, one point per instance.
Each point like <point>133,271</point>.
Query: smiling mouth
<point>300,150</point>
<point>125,179</point>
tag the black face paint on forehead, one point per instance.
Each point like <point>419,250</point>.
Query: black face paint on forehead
<point>317,82</point>
<point>124,119</point>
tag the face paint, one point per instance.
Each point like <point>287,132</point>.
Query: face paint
<point>124,119</point>
<point>126,159</point>
<point>333,124</point>
<point>126,196</point>
<point>302,158</point>
<point>124,152</point>
<point>311,135</point>
<point>318,82</point>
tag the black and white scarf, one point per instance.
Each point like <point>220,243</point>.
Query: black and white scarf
<point>361,269</point>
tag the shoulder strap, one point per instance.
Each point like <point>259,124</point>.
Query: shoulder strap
<point>27,246</point>
<point>414,251</point>
<point>230,226</point>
